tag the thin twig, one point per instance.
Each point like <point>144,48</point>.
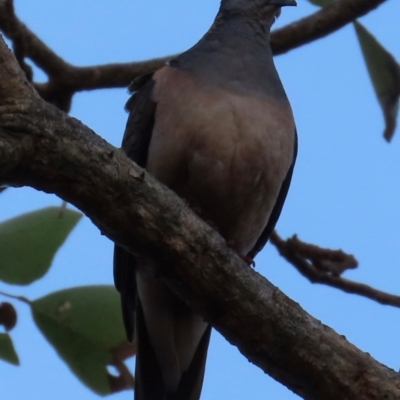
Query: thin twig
<point>317,275</point>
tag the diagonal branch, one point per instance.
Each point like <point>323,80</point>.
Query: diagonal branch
<point>26,43</point>
<point>42,147</point>
<point>66,79</point>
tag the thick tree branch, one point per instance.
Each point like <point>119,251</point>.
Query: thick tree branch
<point>66,79</point>
<point>310,267</point>
<point>42,147</point>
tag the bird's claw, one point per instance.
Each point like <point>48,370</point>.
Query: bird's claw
<point>247,260</point>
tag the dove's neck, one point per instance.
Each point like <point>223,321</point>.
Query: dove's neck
<point>235,53</point>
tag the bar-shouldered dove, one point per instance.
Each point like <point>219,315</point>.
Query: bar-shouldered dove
<point>214,125</point>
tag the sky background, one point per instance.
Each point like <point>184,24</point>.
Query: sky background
<point>344,194</point>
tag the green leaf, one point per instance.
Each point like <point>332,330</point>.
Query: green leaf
<point>321,3</point>
<point>7,351</point>
<point>84,325</point>
<point>384,72</point>
<point>29,242</point>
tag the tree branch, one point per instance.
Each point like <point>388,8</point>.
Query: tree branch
<point>42,147</point>
<point>65,79</point>
<point>293,251</point>
<point>320,24</point>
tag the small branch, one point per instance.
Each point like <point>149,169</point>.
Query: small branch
<point>332,262</point>
<point>293,251</point>
<point>65,79</point>
<point>320,24</point>
<point>75,79</point>
<point>26,43</point>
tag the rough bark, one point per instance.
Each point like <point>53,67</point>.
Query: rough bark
<point>44,148</point>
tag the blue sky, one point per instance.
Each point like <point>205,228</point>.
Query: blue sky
<point>345,191</point>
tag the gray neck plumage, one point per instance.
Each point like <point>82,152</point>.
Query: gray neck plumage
<point>234,54</point>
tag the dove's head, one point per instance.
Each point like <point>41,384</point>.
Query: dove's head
<point>258,6</point>
<point>265,11</point>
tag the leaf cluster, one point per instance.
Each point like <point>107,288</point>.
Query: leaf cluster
<point>83,324</point>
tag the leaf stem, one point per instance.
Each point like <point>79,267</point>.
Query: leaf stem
<point>19,298</point>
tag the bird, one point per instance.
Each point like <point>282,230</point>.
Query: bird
<point>213,124</point>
